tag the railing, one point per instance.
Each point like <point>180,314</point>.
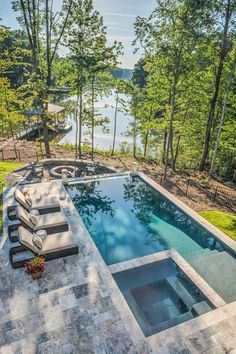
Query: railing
<point>18,155</point>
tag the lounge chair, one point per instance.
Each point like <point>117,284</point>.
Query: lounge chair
<point>52,223</point>
<point>44,205</point>
<point>53,246</point>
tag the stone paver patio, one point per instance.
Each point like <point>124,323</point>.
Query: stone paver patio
<point>77,307</point>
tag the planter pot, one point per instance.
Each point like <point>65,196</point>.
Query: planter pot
<point>37,275</point>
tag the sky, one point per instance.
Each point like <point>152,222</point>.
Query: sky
<point>119,17</point>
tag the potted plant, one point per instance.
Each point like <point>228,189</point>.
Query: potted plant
<point>35,267</point>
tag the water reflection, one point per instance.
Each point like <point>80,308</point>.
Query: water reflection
<point>89,201</point>
<point>150,207</point>
<point>128,219</point>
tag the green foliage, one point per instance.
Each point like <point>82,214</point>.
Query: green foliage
<point>139,77</point>
<point>10,109</point>
<point>5,169</point>
<point>223,221</point>
<point>181,81</point>
<point>15,56</point>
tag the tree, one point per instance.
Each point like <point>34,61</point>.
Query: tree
<point>90,57</point>
<point>45,29</point>
<point>139,77</point>
<point>11,117</point>
<point>120,87</point>
<point>224,109</point>
<point>16,55</point>
<point>170,38</point>
<point>229,9</point>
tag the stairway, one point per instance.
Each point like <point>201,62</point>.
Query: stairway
<point>219,271</point>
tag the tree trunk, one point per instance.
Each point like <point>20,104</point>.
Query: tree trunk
<point>45,136</point>
<point>164,146</point>
<point>115,124</point>
<point>48,82</point>
<point>76,125</point>
<point>176,153</point>
<point>80,122</point>
<point>134,137</point>
<point>214,99</point>
<point>172,150</point>
<point>11,129</point>
<point>170,131</point>
<point>92,119</point>
<point>147,133</point>
<point>222,120</point>
<point>146,143</point>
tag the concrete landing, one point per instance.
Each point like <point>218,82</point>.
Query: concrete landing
<point>219,270</point>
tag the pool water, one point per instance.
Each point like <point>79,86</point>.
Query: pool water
<point>128,219</point>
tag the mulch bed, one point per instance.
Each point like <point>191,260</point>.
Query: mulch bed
<point>200,188</point>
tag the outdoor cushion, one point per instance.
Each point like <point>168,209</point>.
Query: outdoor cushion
<point>36,202</point>
<point>26,239</point>
<point>28,201</point>
<point>34,212</point>
<point>43,221</point>
<point>20,198</point>
<point>52,243</point>
<point>33,219</point>
<point>37,241</point>
<point>58,242</point>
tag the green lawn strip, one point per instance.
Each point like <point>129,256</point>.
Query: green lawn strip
<point>5,168</point>
<point>223,221</point>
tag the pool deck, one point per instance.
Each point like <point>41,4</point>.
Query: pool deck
<point>77,307</point>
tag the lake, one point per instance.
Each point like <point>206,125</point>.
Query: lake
<point>102,140</point>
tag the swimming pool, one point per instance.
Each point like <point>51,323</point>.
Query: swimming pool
<point>128,219</point>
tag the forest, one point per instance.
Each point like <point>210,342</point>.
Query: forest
<point>182,90</point>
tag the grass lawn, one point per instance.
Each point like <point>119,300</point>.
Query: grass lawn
<point>223,221</point>
<point>5,168</point>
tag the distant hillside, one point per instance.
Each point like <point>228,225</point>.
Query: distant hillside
<point>120,73</point>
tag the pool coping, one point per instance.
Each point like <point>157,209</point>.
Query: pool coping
<point>219,235</point>
<point>200,283</point>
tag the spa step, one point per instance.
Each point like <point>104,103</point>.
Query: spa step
<point>160,311</point>
<point>171,323</point>
<point>200,308</point>
<point>138,313</point>
<point>219,270</point>
<point>180,291</point>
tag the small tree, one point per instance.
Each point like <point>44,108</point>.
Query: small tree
<point>45,29</point>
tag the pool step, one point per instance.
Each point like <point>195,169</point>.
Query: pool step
<point>201,254</point>
<point>178,289</point>
<point>171,237</point>
<point>200,308</point>
<point>219,270</point>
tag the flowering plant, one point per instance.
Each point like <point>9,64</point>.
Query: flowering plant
<point>36,265</point>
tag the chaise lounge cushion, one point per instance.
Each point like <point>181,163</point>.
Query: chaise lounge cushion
<point>42,221</point>
<point>43,203</point>
<point>26,239</point>
<point>20,198</point>
<point>52,243</point>
<point>37,241</point>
